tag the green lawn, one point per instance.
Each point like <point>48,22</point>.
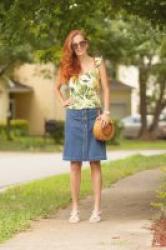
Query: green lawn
<point>39,144</point>
<point>160,202</point>
<point>139,144</point>
<point>21,204</point>
<point>31,144</point>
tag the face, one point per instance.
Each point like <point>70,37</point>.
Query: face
<point>79,45</point>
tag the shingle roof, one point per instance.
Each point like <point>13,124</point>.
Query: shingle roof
<point>118,85</point>
<point>17,87</point>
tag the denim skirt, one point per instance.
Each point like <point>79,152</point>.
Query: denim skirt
<point>79,142</point>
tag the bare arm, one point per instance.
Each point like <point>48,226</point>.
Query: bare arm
<point>105,87</point>
<point>57,87</point>
<point>58,92</point>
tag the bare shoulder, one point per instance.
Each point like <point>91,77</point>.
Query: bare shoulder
<point>100,63</point>
<point>98,60</point>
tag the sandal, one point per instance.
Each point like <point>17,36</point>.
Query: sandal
<point>74,216</point>
<point>95,216</point>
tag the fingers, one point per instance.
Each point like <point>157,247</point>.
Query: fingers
<point>104,122</point>
<point>98,117</point>
<point>67,102</point>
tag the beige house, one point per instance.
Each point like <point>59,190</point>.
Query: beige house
<point>31,96</point>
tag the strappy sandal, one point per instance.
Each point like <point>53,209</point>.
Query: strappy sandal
<point>74,216</point>
<point>95,216</point>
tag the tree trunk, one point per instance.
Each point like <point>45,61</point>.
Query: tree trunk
<point>143,75</point>
<point>160,105</point>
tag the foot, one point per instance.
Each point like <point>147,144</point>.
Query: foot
<point>95,216</point>
<point>74,216</point>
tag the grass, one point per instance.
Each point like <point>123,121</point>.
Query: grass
<point>31,144</point>
<point>159,224</point>
<point>160,202</point>
<point>126,144</point>
<point>39,144</point>
<point>21,204</point>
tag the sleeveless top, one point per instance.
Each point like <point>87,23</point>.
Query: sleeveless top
<point>84,90</point>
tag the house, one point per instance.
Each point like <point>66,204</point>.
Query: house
<point>31,96</point>
<point>120,105</point>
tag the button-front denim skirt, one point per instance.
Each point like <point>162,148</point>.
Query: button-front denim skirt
<point>79,142</point>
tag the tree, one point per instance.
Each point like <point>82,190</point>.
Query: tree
<point>144,44</point>
<point>149,10</point>
<point>159,92</point>
<point>130,40</point>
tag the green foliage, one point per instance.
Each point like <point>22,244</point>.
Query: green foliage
<point>29,144</point>
<point>18,127</point>
<point>118,133</point>
<point>43,25</point>
<point>149,10</point>
<point>40,27</point>
<point>161,198</point>
<point>47,23</point>
<point>57,134</point>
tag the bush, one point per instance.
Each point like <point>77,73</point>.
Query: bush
<point>2,128</point>
<point>57,132</point>
<point>118,133</point>
<point>18,127</point>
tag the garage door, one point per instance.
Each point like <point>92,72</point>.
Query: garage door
<point>119,110</point>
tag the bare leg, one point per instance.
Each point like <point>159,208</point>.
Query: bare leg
<point>75,180</point>
<point>96,176</point>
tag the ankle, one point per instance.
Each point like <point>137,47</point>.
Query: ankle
<point>98,209</point>
<point>75,208</point>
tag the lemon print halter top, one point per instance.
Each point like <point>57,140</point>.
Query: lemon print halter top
<point>85,90</point>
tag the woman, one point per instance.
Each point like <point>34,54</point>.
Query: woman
<point>84,78</point>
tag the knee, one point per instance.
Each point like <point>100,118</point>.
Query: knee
<point>76,166</point>
<point>95,164</point>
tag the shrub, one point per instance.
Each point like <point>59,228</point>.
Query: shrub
<point>57,132</point>
<point>18,127</point>
<point>118,133</point>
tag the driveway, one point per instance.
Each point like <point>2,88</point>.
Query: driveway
<point>22,167</point>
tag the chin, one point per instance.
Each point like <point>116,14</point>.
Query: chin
<point>80,53</point>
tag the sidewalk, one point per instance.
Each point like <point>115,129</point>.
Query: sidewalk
<point>127,217</point>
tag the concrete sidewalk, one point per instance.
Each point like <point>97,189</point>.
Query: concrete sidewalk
<point>127,217</point>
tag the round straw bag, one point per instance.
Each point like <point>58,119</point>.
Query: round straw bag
<point>103,134</point>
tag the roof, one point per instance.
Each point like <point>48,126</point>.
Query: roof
<point>118,85</point>
<point>17,87</point>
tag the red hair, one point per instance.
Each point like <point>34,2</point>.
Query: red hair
<point>69,64</point>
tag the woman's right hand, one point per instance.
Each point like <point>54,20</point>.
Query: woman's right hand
<point>67,102</point>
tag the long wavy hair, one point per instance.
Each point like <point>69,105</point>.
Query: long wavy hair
<point>69,63</point>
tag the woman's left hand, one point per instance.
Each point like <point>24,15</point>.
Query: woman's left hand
<point>104,119</point>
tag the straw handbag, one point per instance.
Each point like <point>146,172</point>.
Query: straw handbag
<point>103,134</point>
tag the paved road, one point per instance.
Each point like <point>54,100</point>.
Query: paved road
<point>21,167</point>
<point>127,216</point>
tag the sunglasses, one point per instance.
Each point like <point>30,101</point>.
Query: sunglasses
<point>81,44</point>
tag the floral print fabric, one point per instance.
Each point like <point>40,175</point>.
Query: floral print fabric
<point>84,90</point>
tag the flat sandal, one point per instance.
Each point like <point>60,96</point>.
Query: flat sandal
<point>95,216</point>
<point>74,216</point>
